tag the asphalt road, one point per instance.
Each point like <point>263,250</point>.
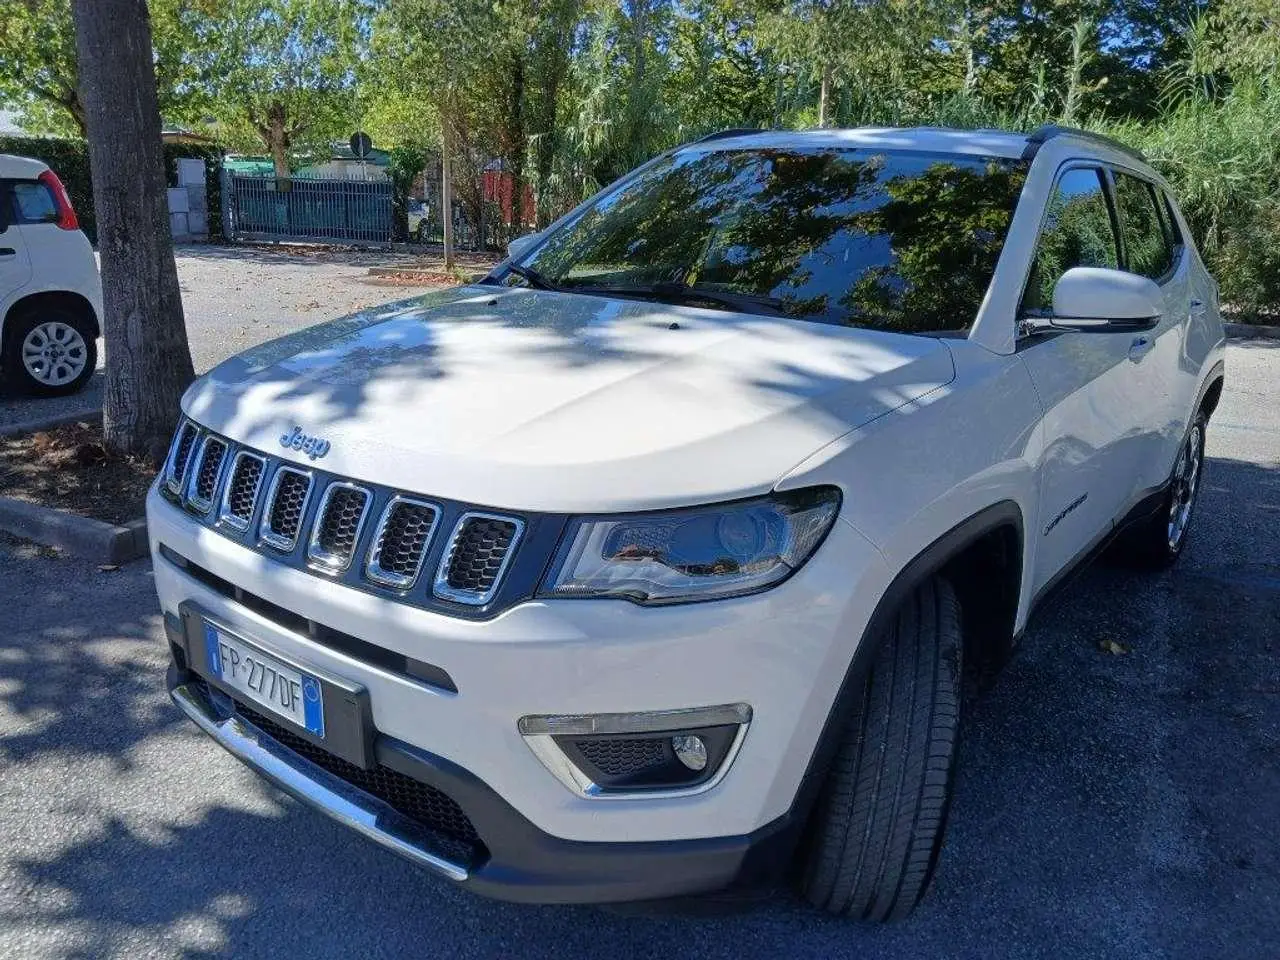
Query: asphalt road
<point>234,297</point>
<point>1107,805</point>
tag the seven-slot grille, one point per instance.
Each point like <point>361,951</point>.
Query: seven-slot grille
<point>204,476</point>
<point>241,494</point>
<point>338,524</point>
<point>478,553</point>
<point>286,506</point>
<point>400,544</point>
<point>204,470</point>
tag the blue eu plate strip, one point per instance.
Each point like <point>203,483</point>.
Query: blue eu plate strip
<point>312,708</point>
<point>211,646</point>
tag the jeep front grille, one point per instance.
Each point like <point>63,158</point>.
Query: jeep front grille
<point>479,551</point>
<point>175,468</point>
<point>205,474</point>
<point>241,494</point>
<point>265,503</point>
<point>400,543</point>
<point>338,524</point>
<point>286,506</point>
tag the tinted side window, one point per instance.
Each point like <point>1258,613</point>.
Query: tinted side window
<point>1077,232</point>
<point>1146,245</point>
<point>33,203</point>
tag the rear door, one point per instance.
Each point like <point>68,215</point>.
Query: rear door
<point>1166,383</point>
<point>1084,380</point>
<point>15,265</point>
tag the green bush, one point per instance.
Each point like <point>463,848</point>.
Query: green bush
<point>69,159</point>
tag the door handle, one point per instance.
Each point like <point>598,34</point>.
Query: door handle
<point>1197,308</point>
<point>1140,347</point>
<point>8,252</point>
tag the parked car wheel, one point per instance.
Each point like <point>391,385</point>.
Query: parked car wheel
<point>882,815</point>
<point>49,351</point>
<point>1156,542</point>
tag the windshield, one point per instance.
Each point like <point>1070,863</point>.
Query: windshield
<point>895,240</point>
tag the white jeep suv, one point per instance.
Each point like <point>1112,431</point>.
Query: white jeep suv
<point>50,294</point>
<point>648,565</point>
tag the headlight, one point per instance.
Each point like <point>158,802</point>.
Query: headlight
<point>700,553</point>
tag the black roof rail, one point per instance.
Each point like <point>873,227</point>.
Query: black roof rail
<point>1044,134</point>
<point>731,132</point>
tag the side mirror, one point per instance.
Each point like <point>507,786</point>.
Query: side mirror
<point>518,247</point>
<point>1098,298</point>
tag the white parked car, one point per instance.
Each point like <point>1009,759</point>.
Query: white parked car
<point>50,294</point>
<point>650,564</point>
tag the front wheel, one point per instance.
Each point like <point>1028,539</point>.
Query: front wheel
<point>883,810</point>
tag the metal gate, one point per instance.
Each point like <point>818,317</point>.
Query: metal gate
<point>298,208</point>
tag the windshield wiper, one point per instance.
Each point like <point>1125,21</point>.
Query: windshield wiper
<point>682,293</point>
<point>533,278</point>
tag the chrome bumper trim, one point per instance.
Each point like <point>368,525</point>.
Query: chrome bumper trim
<point>315,787</point>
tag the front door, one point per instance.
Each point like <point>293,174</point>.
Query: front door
<point>1085,383</point>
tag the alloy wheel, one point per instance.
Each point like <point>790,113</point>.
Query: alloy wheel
<point>54,353</point>
<point>1186,481</point>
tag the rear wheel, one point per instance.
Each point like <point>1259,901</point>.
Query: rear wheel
<point>49,351</point>
<point>1157,542</point>
<point>882,813</point>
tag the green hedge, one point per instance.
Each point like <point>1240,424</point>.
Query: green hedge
<point>69,159</point>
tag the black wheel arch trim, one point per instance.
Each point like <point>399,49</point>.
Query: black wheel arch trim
<point>924,565</point>
<point>1216,378</point>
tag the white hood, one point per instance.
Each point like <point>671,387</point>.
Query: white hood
<point>529,400</point>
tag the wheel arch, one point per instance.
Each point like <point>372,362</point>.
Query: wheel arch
<point>1211,390</point>
<point>989,543</point>
<point>66,299</point>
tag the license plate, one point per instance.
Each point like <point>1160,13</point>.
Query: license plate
<point>266,681</point>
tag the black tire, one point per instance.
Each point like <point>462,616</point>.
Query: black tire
<point>1152,543</point>
<point>17,329</point>
<point>882,814</point>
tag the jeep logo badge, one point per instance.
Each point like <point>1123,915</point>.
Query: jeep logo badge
<point>313,447</point>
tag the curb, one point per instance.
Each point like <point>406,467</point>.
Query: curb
<point>1252,331</point>
<point>48,423</point>
<point>78,536</point>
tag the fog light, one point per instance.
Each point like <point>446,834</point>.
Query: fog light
<point>691,750</point>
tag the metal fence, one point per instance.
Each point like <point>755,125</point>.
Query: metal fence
<point>303,208</point>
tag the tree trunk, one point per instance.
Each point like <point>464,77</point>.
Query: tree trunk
<point>824,95</point>
<point>278,140</point>
<point>148,359</point>
<point>446,191</point>
<point>517,149</point>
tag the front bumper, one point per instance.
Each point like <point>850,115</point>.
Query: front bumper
<point>520,863</point>
<point>783,652</point>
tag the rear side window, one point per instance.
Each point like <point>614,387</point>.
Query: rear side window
<point>1077,232</point>
<point>1147,247</point>
<point>33,203</point>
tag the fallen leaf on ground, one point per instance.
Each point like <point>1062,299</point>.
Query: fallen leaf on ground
<point>108,567</point>
<point>1112,646</point>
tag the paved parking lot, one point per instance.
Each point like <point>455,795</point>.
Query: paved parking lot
<point>234,297</point>
<point>1107,805</point>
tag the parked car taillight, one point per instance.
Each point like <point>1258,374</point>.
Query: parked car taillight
<point>67,219</point>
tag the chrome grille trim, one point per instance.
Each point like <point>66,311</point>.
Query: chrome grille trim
<point>225,512</point>
<point>266,530</point>
<point>174,477</point>
<point>373,568</point>
<point>441,587</point>
<point>330,561</point>
<point>197,465</point>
